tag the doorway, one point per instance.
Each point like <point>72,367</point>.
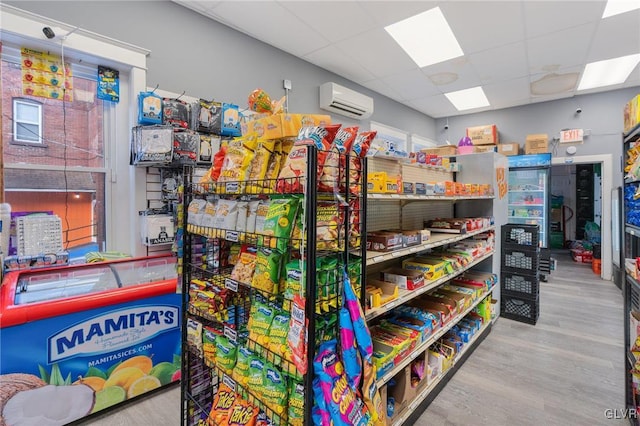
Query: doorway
<point>584,184</point>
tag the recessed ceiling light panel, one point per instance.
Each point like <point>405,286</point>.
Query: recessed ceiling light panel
<point>608,72</point>
<point>468,98</point>
<point>426,37</point>
<point>616,7</point>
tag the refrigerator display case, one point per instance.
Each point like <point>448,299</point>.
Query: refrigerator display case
<point>78,339</point>
<point>529,192</point>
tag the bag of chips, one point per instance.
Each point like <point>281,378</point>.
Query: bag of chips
<point>237,161</point>
<point>278,335</point>
<point>294,279</point>
<point>246,266</point>
<point>279,222</point>
<point>260,322</point>
<point>222,403</point>
<point>242,414</point>
<point>328,180</point>
<point>259,165</point>
<point>358,151</point>
<point>241,371</point>
<point>296,403</point>
<point>267,272</point>
<point>225,354</point>
<point>273,169</point>
<point>292,176</point>
<point>275,389</point>
<point>327,228</point>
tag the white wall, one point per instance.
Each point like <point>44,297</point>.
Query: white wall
<point>204,58</point>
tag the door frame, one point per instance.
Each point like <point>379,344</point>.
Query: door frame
<point>606,161</point>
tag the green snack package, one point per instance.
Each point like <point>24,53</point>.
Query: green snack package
<point>278,335</point>
<point>260,323</point>
<point>225,354</point>
<point>241,371</point>
<point>279,222</point>
<point>296,403</point>
<point>294,279</point>
<point>255,379</point>
<point>275,389</point>
<point>267,273</point>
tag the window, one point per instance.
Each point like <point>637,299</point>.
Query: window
<point>27,121</point>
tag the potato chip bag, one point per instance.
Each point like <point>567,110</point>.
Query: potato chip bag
<point>273,169</point>
<point>237,161</point>
<point>260,323</point>
<point>278,335</point>
<point>195,211</point>
<point>194,334</point>
<point>246,265</point>
<point>292,175</point>
<point>243,212</point>
<point>267,272</point>
<point>296,403</point>
<point>294,279</point>
<point>260,164</point>
<point>225,354</point>
<point>328,180</point>
<point>209,336</point>
<point>242,414</point>
<point>255,380</point>
<point>358,151</point>
<point>251,216</point>
<point>226,215</point>
<point>222,403</point>
<point>279,221</point>
<point>241,371</point>
<point>261,216</point>
<point>275,389</point>
<point>287,145</point>
<point>327,220</point>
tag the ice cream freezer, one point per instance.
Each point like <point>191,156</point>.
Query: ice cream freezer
<point>78,339</point>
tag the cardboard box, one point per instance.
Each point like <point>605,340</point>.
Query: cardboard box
<point>478,149</point>
<point>509,148</point>
<point>405,279</point>
<point>284,125</point>
<point>442,150</point>
<point>483,135</point>
<point>393,186</point>
<point>377,182</point>
<point>631,114</point>
<point>402,392</point>
<point>408,187</point>
<point>431,269</point>
<point>384,241</point>
<point>380,292</point>
<point>536,144</point>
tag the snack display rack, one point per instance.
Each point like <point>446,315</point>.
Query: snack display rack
<point>407,211</point>
<point>631,281</point>
<point>203,375</point>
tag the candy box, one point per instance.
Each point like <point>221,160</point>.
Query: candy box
<point>278,126</point>
<point>462,300</point>
<point>377,182</point>
<point>405,279</point>
<point>437,308</point>
<point>431,269</point>
<point>421,188</point>
<point>393,186</point>
<point>454,306</point>
<point>380,293</point>
<point>384,241</point>
<point>408,187</point>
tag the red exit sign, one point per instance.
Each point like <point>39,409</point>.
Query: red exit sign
<point>572,136</point>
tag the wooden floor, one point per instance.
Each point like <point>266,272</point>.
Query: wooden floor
<point>566,370</point>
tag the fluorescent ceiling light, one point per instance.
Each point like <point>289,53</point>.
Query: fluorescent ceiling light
<point>616,7</point>
<point>468,98</point>
<point>426,37</point>
<point>608,72</point>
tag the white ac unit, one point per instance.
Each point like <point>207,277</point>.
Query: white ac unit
<point>341,100</point>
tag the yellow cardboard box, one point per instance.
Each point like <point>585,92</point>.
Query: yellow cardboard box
<point>284,125</point>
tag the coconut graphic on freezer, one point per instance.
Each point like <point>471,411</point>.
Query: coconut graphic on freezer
<point>52,399</point>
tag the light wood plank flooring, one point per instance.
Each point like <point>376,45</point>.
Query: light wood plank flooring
<point>564,371</point>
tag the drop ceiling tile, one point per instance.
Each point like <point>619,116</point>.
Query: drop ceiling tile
<point>390,12</point>
<point>249,18</point>
<point>545,17</point>
<point>561,49</point>
<point>334,60</point>
<point>335,22</point>
<point>378,52</point>
<point>381,87</point>
<point>501,63</point>
<point>434,106</point>
<point>411,84</point>
<point>561,71</point>
<point>616,36</point>
<point>455,74</point>
<point>483,25</point>
<point>508,93</point>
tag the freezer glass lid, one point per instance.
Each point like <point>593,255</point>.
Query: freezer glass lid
<point>146,271</point>
<point>38,287</point>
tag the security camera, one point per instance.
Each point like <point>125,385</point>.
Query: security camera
<point>48,32</point>
<point>446,127</point>
<point>578,110</point>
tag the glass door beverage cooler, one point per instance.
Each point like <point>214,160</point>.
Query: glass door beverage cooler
<point>529,192</point>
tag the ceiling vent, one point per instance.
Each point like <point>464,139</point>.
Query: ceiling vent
<point>341,100</point>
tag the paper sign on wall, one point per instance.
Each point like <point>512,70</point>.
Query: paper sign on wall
<point>44,76</point>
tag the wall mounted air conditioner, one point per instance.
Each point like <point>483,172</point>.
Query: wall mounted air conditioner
<point>341,100</point>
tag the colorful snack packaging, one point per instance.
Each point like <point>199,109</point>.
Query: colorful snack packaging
<point>194,334</point>
<point>260,164</point>
<point>246,265</point>
<point>235,168</point>
<point>226,214</point>
<point>362,334</point>
<point>296,403</point>
<point>342,402</point>
<point>327,226</point>
<point>195,211</point>
<point>294,279</point>
<point>359,150</point>
<point>242,414</point>
<point>267,272</point>
<point>261,216</point>
<point>241,371</point>
<point>218,161</point>
<point>279,222</point>
<point>297,337</point>
<point>278,335</point>
<point>371,395</point>
<point>292,175</point>
<point>251,216</point>
<point>273,169</point>
<point>209,336</point>
<point>222,403</point>
<point>275,389</point>
<point>328,180</point>
<point>225,354</point>
<point>241,221</point>
<point>350,358</point>
<point>255,380</point>
<point>320,414</point>
<point>261,320</point>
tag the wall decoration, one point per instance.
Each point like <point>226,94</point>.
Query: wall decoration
<point>108,84</point>
<point>43,76</point>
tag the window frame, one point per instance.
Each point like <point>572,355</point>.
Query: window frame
<point>25,101</point>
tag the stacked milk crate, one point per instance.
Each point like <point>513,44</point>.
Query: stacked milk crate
<point>520,280</point>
